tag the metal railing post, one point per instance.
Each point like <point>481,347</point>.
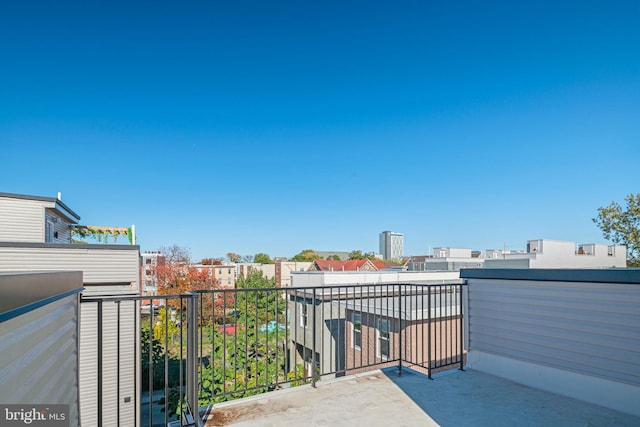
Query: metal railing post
<point>429,332</point>
<point>400,295</point>
<point>313,346</point>
<point>192,360</point>
<point>461,331</point>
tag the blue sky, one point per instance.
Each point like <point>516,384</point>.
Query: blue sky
<point>279,126</point>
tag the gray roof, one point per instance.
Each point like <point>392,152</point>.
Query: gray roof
<point>411,307</point>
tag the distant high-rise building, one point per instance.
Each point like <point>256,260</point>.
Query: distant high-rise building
<point>391,245</point>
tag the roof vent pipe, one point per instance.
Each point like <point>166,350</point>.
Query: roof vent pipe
<point>59,196</point>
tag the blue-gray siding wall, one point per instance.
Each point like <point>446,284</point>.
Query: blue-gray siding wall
<point>589,328</point>
<point>39,354</point>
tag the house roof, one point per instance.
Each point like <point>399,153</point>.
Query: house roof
<point>57,204</point>
<point>349,265</point>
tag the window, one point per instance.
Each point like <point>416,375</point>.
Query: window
<point>357,330</point>
<point>147,261</point>
<point>303,315</point>
<point>48,234</point>
<point>382,350</point>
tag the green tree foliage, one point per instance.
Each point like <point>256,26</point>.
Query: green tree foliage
<point>622,226</point>
<point>166,328</point>
<point>250,357</point>
<point>261,258</point>
<point>355,255</point>
<point>307,255</point>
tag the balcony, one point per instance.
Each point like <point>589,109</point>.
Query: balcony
<point>539,347</point>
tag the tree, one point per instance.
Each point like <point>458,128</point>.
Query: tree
<point>177,276</point>
<point>356,255</point>
<point>176,254</point>
<point>307,255</point>
<point>622,226</point>
<point>261,258</point>
<point>233,257</point>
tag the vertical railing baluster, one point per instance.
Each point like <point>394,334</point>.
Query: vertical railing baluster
<point>100,382</point>
<point>166,360</point>
<point>192,355</point>
<point>118,360</point>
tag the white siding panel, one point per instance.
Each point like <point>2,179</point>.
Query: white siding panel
<point>99,264</point>
<point>21,220</point>
<point>590,328</point>
<point>39,357</point>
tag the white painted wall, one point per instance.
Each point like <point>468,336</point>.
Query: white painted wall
<point>326,278</point>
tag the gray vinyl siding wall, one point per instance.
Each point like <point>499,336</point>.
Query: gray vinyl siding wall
<point>39,360</point>
<point>589,328</point>
<point>119,364</point>
<point>61,227</point>
<point>507,263</point>
<point>21,220</point>
<point>99,263</point>
<point>329,344</point>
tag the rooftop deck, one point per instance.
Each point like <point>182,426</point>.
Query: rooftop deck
<point>382,397</point>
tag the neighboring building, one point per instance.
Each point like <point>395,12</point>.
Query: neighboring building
<point>376,326</point>
<point>391,245</point>
<point>225,275</point>
<point>244,268</point>
<point>349,265</point>
<point>149,271</point>
<point>35,235</point>
<point>325,289</point>
<point>284,268</point>
<point>545,253</point>
<point>343,256</point>
<point>447,259</point>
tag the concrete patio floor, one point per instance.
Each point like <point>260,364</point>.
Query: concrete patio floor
<point>383,398</point>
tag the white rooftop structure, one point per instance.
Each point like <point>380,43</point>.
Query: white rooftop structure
<point>546,253</point>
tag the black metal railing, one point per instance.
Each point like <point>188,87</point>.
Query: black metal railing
<point>205,347</point>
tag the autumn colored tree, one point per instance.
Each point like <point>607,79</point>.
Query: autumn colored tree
<point>177,276</point>
<point>233,257</point>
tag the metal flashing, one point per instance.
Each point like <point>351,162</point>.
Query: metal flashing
<point>593,275</point>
